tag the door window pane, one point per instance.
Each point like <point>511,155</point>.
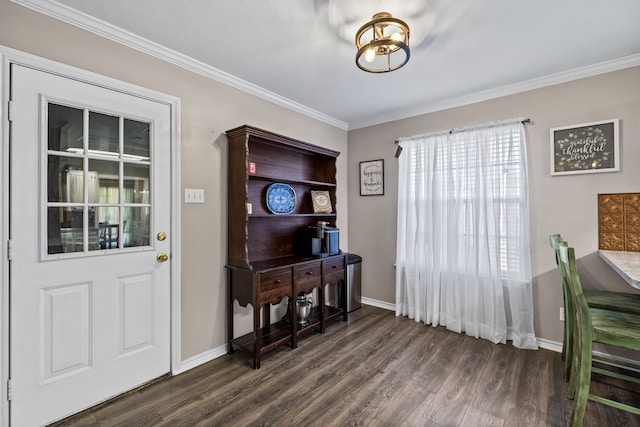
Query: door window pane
<point>108,185</point>
<point>64,128</point>
<point>66,180</point>
<point>65,230</point>
<point>137,230</point>
<point>136,139</point>
<point>108,227</point>
<point>104,133</point>
<point>136,183</point>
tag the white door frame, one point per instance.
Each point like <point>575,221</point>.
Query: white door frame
<point>10,56</point>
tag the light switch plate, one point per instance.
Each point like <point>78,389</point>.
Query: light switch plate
<point>194,195</point>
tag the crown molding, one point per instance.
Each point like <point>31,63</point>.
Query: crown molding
<point>81,20</point>
<point>549,80</point>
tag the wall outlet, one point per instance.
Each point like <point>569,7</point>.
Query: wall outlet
<point>193,195</point>
<point>562,314</point>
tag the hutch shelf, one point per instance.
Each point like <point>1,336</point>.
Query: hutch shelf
<point>266,262</point>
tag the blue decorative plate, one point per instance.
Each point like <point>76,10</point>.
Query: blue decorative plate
<point>281,199</point>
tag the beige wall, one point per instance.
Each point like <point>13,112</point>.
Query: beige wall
<point>208,110</point>
<point>564,204</point>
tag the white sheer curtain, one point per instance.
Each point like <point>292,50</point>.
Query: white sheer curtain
<point>462,257</point>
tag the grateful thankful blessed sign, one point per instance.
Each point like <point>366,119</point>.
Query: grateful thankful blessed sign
<point>586,148</point>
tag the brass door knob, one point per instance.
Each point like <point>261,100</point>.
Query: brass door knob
<point>162,257</point>
<point>161,236</point>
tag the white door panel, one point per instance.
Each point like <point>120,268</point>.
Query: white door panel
<point>65,328</point>
<point>90,303</point>
<point>136,317</point>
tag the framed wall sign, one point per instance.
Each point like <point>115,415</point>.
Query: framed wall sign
<point>586,148</point>
<point>372,178</point>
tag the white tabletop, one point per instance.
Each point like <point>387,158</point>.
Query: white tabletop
<point>626,264</point>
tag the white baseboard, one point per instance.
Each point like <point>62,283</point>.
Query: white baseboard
<point>379,304</point>
<point>549,345</point>
<point>200,359</point>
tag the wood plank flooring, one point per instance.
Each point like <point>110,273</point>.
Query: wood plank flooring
<point>374,370</point>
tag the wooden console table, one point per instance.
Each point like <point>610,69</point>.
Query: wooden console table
<point>269,283</point>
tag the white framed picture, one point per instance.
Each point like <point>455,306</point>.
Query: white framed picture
<point>585,148</point>
<point>372,178</point>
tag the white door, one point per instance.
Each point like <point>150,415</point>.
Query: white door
<point>89,199</point>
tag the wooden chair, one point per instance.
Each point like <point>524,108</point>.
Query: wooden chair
<point>594,325</point>
<point>615,301</point>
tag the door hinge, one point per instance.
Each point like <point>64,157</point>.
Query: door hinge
<point>9,390</point>
<point>10,111</point>
<point>9,250</point>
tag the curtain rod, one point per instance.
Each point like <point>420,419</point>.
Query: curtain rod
<point>452,130</point>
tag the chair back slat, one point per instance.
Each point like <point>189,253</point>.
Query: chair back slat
<point>580,309</point>
<point>555,240</point>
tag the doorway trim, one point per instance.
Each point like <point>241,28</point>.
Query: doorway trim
<point>10,56</point>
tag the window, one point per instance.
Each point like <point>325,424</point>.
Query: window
<point>98,173</point>
<point>463,233</point>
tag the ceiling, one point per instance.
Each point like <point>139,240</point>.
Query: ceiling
<point>301,53</point>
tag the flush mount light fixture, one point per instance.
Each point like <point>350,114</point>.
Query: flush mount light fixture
<point>383,44</point>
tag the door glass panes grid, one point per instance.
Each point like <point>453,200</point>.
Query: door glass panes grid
<point>97,181</point>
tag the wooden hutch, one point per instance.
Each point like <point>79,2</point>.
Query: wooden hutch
<point>264,263</point>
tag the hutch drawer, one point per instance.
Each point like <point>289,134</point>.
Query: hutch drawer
<point>333,265</point>
<point>275,279</point>
<point>307,277</point>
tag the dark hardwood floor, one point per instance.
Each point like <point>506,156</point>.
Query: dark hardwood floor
<point>374,370</point>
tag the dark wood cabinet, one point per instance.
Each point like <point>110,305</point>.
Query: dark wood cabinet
<point>265,261</point>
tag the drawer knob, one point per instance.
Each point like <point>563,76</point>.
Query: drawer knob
<point>334,266</point>
<point>278,281</point>
<point>310,273</point>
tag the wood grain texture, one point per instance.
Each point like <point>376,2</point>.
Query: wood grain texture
<point>374,370</point>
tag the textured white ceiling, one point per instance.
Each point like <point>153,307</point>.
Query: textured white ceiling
<point>303,50</point>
